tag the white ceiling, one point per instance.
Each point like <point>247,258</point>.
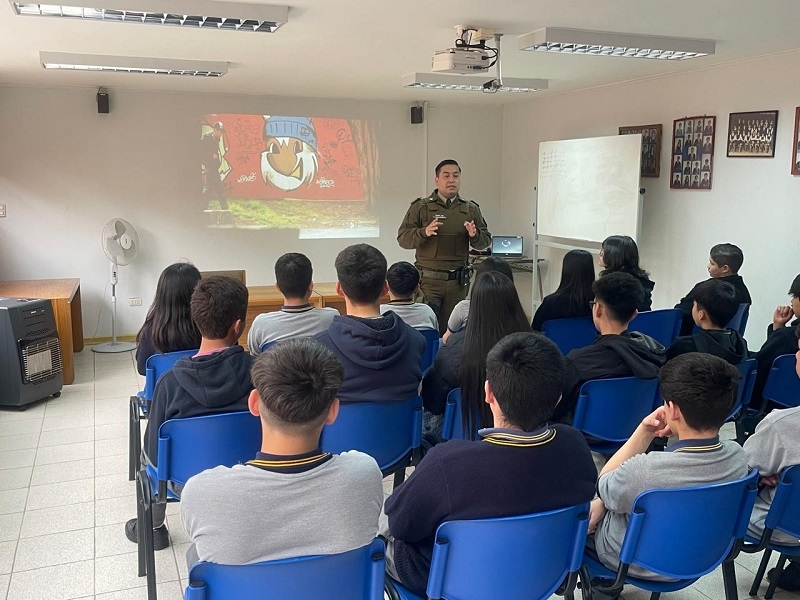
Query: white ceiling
<point>362,48</point>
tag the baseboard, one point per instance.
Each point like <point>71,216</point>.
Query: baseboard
<point>105,340</point>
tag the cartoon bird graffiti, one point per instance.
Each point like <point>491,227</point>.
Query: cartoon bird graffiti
<point>290,157</point>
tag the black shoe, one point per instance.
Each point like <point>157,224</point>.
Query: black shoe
<point>160,535</point>
<point>789,579</point>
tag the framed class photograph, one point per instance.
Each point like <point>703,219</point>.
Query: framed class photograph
<point>796,143</point>
<point>752,134</point>
<point>692,153</point>
<point>651,147</point>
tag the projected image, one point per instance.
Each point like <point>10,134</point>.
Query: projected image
<point>317,175</point>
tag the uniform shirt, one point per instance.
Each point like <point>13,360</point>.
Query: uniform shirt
<point>413,314</point>
<point>288,322</point>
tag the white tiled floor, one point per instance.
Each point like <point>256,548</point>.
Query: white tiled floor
<point>65,496</point>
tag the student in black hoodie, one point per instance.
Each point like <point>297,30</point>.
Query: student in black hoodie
<point>714,305</point>
<point>724,263</point>
<point>215,380</point>
<point>620,254</point>
<point>616,352</point>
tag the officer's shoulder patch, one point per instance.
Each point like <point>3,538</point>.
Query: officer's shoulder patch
<point>473,202</point>
<point>418,200</point>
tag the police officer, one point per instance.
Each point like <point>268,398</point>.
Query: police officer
<point>441,228</point>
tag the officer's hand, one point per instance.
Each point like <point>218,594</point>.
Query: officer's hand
<point>470,227</point>
<point>432,227</point>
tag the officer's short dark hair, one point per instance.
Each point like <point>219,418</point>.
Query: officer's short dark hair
<point>361,270</point>
<point>293,273</point>
<point>403,279</point>
<point>444,163</point>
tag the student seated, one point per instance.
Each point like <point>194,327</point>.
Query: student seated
<point>698,390</point>
<point>616,352</point>
<point>458,318</point>
<point>292,499</point>
<point>297,317</point>
<point>380,353</point>
<point>403,280</point>
<point>521,466</point>
<point>574,292</point>
<point>714,305</point>
<point>724,263</point>
<point>215,380</point>
<point>168,326</point>
<point>620,254</point>
<point>781,339</point>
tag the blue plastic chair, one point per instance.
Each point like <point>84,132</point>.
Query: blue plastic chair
<point>608,411</point>
<point>748,370</point>
<point>354,575</point>
<point>569,334</point>
<point>155,367</point>
<point>187,447</point>
<point>683,534</point>
<point>739,320</point>
<point>390,432</point>
<point>530,556</point>
<point>783,515</point>
<point>783,385</point>
<point>432,342</point>
<point>453,422</point>
<point>663,325</point>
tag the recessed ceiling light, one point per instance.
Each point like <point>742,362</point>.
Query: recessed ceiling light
<point>132,64</point>
<point>205,14</point>
<point>601,43</point>
<point>441,81</point>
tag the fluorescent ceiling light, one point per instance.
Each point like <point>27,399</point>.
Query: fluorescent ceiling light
<point>132,64</point>
<point>206,14</point>
<point>577,41</point>
<point>442,81</point>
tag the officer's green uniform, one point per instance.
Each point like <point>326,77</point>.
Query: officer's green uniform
<point>442,258</point>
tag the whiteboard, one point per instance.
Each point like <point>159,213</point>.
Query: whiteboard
<point>589,188</point>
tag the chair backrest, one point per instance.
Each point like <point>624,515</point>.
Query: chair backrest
<point>747,370</point>
<point>432,343</point>
<point>453,421</point>
<point>157,365</point>
<point>569,334</point>
<point>526,556</point>
<point>739,320</point>
<point>193,444</point>
<point>387,431</point>
<point>611,409</point>
<point>354,575</point>
<point>663,325</point>
<point>684,533</point>
<point>784,512</point>
<point>783,385</point>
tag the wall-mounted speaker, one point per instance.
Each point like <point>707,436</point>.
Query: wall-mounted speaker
<point>417,115</point>
<point>102,102</point>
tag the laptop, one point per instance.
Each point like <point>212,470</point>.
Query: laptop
<point>507,246</point>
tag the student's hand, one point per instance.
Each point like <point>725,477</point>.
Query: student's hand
<point>655,424</point>
<point>781,316</point>
<point>432,227</point>
<point>768,480</point>
<point>597,510</point>
<point>470,227</point>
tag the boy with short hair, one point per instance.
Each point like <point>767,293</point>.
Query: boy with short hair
<point>724,263</point>
<point>714,306</point>
<point>215,380</point>
<point>616,352</point>
<point>698,390</point>
<point>520,466</point>
<point>403,280</point>
<point>297,317</point>
<point>380,353</point>
<point>292,499</point>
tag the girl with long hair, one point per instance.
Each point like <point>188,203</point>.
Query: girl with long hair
<point>574,292</point>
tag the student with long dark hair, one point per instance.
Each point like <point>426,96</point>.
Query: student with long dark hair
<point>168,326</point>
<point>574,293</point>
<point>620,253</point>
<point>495,311</point>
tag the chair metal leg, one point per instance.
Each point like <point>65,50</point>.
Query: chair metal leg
<point>776,576</point>
<point>149,548</point>
<point>740,433</point>
<point>132,406</point>
<point>139,529</point>
<point>586,583</point>
<point>399,477</point>
<point>729,580</point>
<point>762,568</point>
<point>655,595</point>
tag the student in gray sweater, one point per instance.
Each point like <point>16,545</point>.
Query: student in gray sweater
<point>403,280</point>
<point>297,317</point>
<point>699,390</point>
<point>292,499</point>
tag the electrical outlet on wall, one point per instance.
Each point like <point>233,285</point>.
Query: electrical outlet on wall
<point>134,301</point>
<point>2,210</point>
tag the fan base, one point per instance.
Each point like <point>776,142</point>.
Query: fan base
<point>114,347</point>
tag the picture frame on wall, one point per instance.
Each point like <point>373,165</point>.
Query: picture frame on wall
<point>651,147</point>
<point>692,153</point>
<point>752,134</point>
<point>796,143</point>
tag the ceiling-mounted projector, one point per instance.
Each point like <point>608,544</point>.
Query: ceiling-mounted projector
<point>461,60</point>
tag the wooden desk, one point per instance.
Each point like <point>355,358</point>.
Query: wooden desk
<point>65,296</point>
<point>262,299</point>
<point>327,294</point>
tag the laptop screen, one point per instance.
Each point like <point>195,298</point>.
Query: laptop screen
<point>507,246</point>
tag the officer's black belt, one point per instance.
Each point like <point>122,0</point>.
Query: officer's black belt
<point>443,275</point>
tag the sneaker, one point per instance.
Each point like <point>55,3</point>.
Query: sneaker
<point>789,579</point>
<point>160,535</point>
